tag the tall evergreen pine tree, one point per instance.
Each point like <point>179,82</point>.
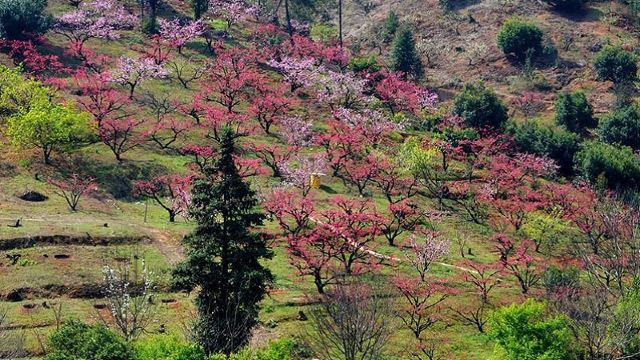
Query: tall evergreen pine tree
<point>404,56</point>
<point>223,256</point>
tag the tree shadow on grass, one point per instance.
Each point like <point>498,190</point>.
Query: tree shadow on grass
<point>117,179</point>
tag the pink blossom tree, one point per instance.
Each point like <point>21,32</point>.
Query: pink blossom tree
<point>120,135</point>
<point>132,72</point>
<point>171,192</point>
<point>298,173</point>
<point>178,33</point>
<point>100,19</point>
<point>73,188</point>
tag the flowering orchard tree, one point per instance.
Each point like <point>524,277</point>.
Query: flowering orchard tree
<point>302,47</point>
<point>188,71</point>
<point>167,130</point>
<point>360,172</point>
<point>404,216</point>
<point>483,278</point>
<point>298,172</point>
<point>340,243</point>
<point>373,125</point>
<point>395,180</point>
<point>341,90</point>
<point>270,104</point>
<point>299,73</point>
<point>511,190</point>
<point>120,135</point>
<point>25,52</point>
<point>272,154</point>
<point>401,95</point>
<point>292,211</point>
<point>101,19</point>
<point>423,296</point>
<point>233,11</point>
<point>518,261</point>
<point>132,72</point>
<point>296,131</point>
<point>171,192</point>
<point>203,156</point>
<point>73,188</point>
<point>178,33</point>
<point>99,98</point>
<point>341,144</point>
<point>248,167</point>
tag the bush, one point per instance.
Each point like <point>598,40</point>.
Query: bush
<point>621,127</point>
<point>480,107</point>
<point>78,341</point>
<point>557,144</point>
<point>163,347</point>
<point>517,37</point>
<point>615,64</point>
<point>391,25</point>
<point>608,165</point>
<point>323,33</point>
<point>567,5</point>
<point>364,63</point>
<point>20,16</point>
<point>574,112</point>
<point>404,56</point>
<point>525,332</point>
<point>283,349</point>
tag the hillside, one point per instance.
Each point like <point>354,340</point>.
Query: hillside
<point>483,210</point>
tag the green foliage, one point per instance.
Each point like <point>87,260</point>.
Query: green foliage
<point>555,143</point>
<point>404,56</point>
<point>78,341</point>
<point>165,347</point>
<point>626,317</point>
<point>49,127</point>
<point>364,63</point>
<point>524,332</point>
<point>547,230</point>
<point>574,112</point>
<point>519,37</point>
<point>480,107</point>
<point>324,33</point>
<point>22,16</point>
<point>615,64</point>
<point>149,24</point>
<point>622,126</point>
<point>199,7</point>
<point>283,349</point>
<point>608,165</point>
<point>391,24</point>
<point>555,278</point>
<point>567,5</point>
<point>17,93</point>
<point>223,256</point>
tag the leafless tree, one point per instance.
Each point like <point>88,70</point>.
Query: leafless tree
<point>128,286</point>
<point>351,323</point>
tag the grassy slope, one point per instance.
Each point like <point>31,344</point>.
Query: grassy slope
<point>126,217</point>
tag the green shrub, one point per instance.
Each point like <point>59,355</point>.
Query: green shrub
<point>557,144</point>
<point>608,165</point>
<point>324,33</point>
<point>404,56</point>
<point>567,5</point>
<point>283,349</point>
<point>574,112</point>
<point>621,127</point>
<point>78,341</point>
<point>517,37</point>
<point>364,63</point>
<point>391,25</point>
<point>165,347</point>
<point>20,16</point>
<point>525,332</point>
<point>480,107</point>
<point>555,278</point>
<point>615,64</point>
